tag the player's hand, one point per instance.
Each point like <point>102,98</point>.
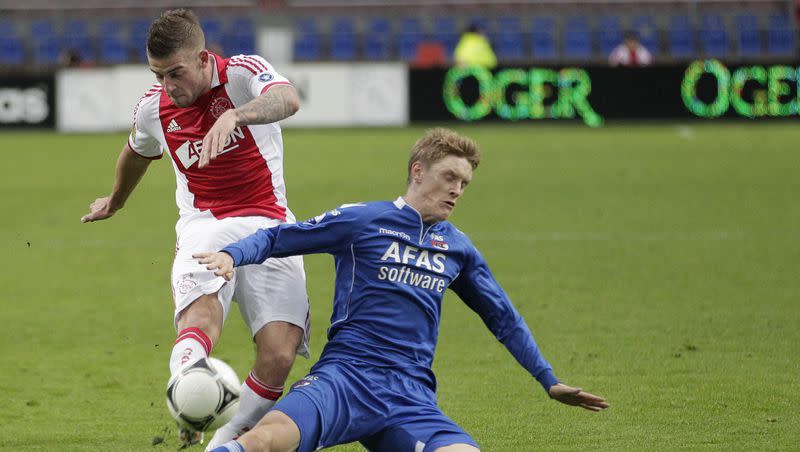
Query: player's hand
<point>221,262</point>
<point>577,397</point>
<point>100,209</point>
<point>217,137</point>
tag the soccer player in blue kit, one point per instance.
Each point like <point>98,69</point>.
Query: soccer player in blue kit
<point>373,382</point>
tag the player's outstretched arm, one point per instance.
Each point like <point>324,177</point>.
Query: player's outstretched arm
<point>222,262</point>
<point>577,397</point>
<point>277,103</point>
<point>130,169</point>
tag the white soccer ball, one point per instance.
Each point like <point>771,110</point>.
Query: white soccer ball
<point>204,395</point>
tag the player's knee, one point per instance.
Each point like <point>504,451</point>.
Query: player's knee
<point>272,432</point>
<point>204,313</point>
<point>277,358</point>
<point>458,448</point>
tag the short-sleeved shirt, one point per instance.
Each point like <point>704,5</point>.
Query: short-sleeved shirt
<point>247,178</point>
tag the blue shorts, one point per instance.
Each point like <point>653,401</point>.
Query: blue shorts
<point>342,402</point>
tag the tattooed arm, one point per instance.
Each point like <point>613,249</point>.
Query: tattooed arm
<point>277,103</point>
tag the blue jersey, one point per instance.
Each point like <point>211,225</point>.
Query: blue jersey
<point>392,270</point>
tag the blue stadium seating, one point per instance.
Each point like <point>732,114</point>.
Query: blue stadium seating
<point>111,47</point>
<point>481,22</point>
<point>645,28</point>
<point>749,39</point>
<point>681,38</point>
<point>307,46</point>
<point>76,38</point>
<point>46,50</point>
<point>713,36</point>
<point>212,29</point>
<point>378,39</point>
<point>307,40</point>
<point>42,27</point>
<point>409,37</point>
<point>7,27</point>
<point>445,33</point>
<point>343,39</point>
<point>543,38</point>
<point>609,33</point>
<point>780,36</point>
<point>240,37</point>
<point>508,41</point>
<point>137,40</point>
<point>12,50</point>
<point>739,33</point>
<point>306,25</point>
<point>577,38</point>
<point>46,46</point>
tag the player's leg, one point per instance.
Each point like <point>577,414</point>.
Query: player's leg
<point>418,423</point>
<point>273,301</point>
<point>202,300</point>
<point>199,326</point>
<point>424,434</point>
<point>458,448</point>
<point>276,343</point>
<point>276,432</point>
<point>336,403</point>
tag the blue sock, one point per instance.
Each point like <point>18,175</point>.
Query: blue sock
<point>230,446</point>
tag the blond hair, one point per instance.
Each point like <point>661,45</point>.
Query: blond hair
<point>437,144</point>
<point>174,30</point>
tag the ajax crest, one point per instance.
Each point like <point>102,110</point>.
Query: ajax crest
<point>219,106</point>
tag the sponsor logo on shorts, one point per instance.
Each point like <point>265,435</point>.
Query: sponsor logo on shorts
<point>307,380</point>
<point>186,284</point>
<point>265,77</point>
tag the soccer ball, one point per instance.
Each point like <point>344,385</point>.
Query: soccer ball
<point>204,395</point>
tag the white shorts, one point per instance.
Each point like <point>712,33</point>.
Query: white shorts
<point>272,291</point>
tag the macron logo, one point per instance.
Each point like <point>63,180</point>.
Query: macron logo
<point>173,126</point>
<point>402,235</point>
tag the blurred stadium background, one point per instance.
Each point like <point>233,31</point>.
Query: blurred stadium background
<point>35,33</point>
<point>655,258</point>
<point>75,65</point>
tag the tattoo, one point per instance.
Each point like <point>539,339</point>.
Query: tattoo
<point>279,102</point>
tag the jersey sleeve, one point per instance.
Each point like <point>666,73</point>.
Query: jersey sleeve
<point>141,140</point>
<point>253,75</point>
<point>478,288</point>
<point>325,233</point>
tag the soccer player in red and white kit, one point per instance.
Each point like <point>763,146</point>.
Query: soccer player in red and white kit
<point>217,120</point>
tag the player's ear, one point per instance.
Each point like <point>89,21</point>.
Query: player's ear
<point>417,169</point>
<point>204,57</point>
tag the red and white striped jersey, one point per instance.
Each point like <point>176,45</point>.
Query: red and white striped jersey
<point>247,178</point>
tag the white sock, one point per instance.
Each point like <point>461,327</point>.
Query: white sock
<point>255,400</point>
<point>192,344</point>
<point>230,446</point>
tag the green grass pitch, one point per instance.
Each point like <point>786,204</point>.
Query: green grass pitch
<point>657,265</point>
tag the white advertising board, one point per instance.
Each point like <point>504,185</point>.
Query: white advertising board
<point>99,99</point>
<point>331,95</point>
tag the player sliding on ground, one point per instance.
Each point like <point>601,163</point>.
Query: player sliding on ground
<point>373,382</point>
<point>217,120</point>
